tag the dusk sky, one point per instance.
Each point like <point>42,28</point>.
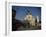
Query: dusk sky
<point>21,11</point>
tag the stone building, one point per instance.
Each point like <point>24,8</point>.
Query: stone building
<point>30,19</point>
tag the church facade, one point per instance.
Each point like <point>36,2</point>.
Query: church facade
<point>31,19</point>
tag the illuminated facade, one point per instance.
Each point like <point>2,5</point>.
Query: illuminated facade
<point>30,19</point>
